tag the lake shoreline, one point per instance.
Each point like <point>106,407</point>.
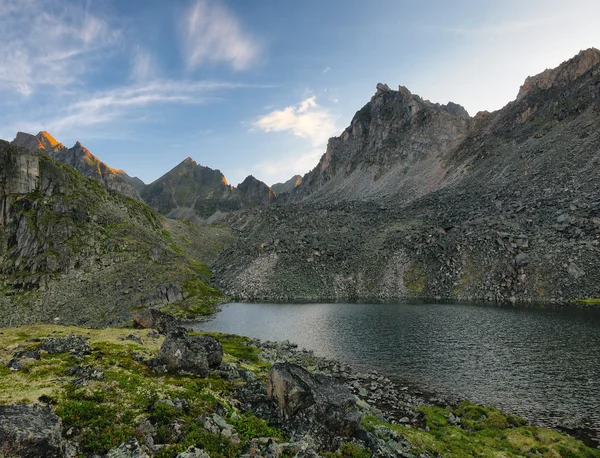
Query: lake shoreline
<point>564,420</point>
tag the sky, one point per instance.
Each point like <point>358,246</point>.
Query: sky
<point>257,87</point>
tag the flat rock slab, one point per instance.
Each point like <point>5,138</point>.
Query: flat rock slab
<point>29,431</point>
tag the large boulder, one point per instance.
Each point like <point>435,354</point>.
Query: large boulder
<point>73,343</point>
<point>29,431</point>
<point>182,353</point>
<point>155,319</point>
<point>314,403</point>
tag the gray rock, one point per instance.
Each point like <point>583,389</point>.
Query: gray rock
<point>193,452</point>
<point>29,431</point>
<point>521,260</point>
<point>155,319</point>
<point>70,344</point>
<point>181,353</point>
<point>83,374</point>
<point>575,271</point>
<point>128,449</point>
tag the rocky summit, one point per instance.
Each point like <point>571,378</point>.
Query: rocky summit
<point>82,160</point>
<point>197,193</point>
<point>417,199</point>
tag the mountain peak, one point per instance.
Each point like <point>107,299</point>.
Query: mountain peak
<point>47,140</point>
<point>565,73</point>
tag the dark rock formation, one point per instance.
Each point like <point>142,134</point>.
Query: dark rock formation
<point>154,319</point>
<point>255,191</point>
<point>181,353</point>
<point>77,345</point>
<point>30,432</point>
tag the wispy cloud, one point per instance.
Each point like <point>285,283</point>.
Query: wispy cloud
<point>143,66</point>
<point>281,169</point>
<point>326,69</point>
<point>214,34</point>
<point>48,43</point>
<point>123,103</point>
<point>307,120</point>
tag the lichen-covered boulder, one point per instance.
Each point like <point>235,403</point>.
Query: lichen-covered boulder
<point>30,431</point>
<point>128,449</point>
<point>182,353</point>
<point>75,344</point>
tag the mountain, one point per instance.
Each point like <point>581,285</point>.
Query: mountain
<point>288,186</point>
<point>256,192</point>
<point>81,159</point>
<point>194,192</point>
<point>75,251</point>
<point>394,145</point>
<point>416,199</point>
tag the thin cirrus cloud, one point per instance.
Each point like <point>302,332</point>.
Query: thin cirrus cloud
<point>213,34</point>
<point>306,120</point>
<point>124,102</point>
<point>48,43</point>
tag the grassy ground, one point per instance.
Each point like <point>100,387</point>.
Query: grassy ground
<point>109,411</point>
<point>104,413</point>
<point>485,432</point>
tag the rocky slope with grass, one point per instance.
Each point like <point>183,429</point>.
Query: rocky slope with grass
<point>78,392</point>
<point>74,251</point>
<point>416,199</point>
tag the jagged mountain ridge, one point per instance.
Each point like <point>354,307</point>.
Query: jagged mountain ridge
<point>189,191</point>
<point>501,206</point>
<point>194,192</point>
<point>81,159</point>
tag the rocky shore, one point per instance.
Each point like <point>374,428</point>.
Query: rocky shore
<point>167,392</point>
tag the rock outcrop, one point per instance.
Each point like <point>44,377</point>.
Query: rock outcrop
<point>30,431</point>
<point>182,353</point>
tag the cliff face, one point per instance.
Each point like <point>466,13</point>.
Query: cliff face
<point>72,249</point>
<point>193,192</point>
<point>82,160</point>
<point>394,146</point>
<point>502,206</point>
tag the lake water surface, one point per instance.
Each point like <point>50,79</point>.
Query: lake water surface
<point>540,363</point>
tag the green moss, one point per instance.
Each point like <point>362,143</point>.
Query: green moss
<point>201,300</point>
<point>485,432</point>
<point>350,450</point>
<point>414,279</point>
<point>589,301</point>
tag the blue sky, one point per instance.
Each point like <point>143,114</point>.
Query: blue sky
<point>257,86</point>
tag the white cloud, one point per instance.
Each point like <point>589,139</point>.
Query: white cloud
<point>48,43</point>
<point>213,34</point>
<point>143,66</point>
<point>283,168</point>
<point>326,69</point>
<point>307,120</point>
